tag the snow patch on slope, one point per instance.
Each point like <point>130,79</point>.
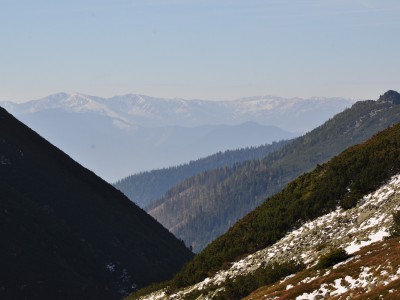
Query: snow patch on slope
<point>351,229</point>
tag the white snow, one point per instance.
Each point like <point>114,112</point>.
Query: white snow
<point>339,288</point>
<point>289,286</point>
<point>372,238</point>
<point>351,229</point>
<point>321,291</point>
<point>163,111</point>
<point>110,267</point>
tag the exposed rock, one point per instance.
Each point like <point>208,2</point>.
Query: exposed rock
<point>390,97</point>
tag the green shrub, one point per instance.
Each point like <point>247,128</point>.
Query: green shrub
<point>332,258</point>
<point>350,200</point>
<point>243,285</point>
<point>395,230</point>
<point>148,289</point>
<point>321,246</point>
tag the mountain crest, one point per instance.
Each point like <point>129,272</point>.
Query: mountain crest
<point>390,97</point>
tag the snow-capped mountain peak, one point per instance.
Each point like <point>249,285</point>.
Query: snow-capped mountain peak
<point>157,112</point>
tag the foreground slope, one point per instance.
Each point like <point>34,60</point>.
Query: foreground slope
<point>203,207</point>
<point>372,273</point>
<point>370,267</point>
<point>341,182</point>
<point>66,233</point>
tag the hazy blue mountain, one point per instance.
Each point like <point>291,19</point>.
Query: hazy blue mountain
<point>291,114</point>
<point>112,148</point>
<point>146,187</point>
<point>123,135</point>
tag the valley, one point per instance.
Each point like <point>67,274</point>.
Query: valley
<point>346,201</point>
<point>202,207</point>
<point>199,150</point>
<point>344,204</point>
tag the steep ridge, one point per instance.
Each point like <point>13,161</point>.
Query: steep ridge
<point>66,233</point>
<point>146,187</point>
<point>319,211</point>
<point>201,208</point>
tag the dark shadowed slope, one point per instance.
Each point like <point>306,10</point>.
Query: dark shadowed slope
<point>67,234</point>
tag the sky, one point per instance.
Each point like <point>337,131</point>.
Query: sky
<point>205,49</point>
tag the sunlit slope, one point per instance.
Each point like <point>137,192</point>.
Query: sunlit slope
<point>342,181</point>
<point>203,207</point>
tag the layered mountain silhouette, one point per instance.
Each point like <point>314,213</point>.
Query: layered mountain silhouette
<point>316,228</point>
<point>202,207</point>
<point>119,136</point>
<point>66,233</point>
<point>147,187</point>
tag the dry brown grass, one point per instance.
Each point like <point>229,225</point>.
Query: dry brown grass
<point>378,257</point>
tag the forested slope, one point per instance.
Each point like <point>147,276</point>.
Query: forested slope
<point>201,208</point>
<point>340,182</point>
<point>146,187</point>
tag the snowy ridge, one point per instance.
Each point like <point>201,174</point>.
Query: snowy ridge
<point>352,229</point>
<point>75,102</point>
<point>293,114</point>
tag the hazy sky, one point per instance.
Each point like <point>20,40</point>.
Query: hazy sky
<point>217,49</point>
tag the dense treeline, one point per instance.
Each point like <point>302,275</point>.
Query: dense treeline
<point>238,287</point>
<point>202,207</point>
<point>360,170</point>
<point>145,187</point>
<point>241,286</point>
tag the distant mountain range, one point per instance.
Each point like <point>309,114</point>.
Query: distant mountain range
<point>66,233</point>
<point>326,228</point>
<point>123,135</point>
<point>291,114</point>
<point>202,207</point>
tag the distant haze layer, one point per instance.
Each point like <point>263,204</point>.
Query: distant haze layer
<point>122,135</point>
